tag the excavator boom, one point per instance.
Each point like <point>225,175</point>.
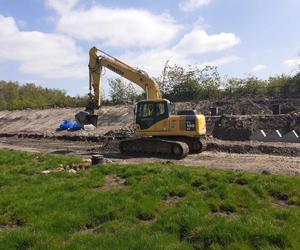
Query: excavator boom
<point>135,75</point>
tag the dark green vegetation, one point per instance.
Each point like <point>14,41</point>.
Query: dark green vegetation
<point>143,207</point>
<point>179,84</point>
<point>15,96</point>
<point>121,92</point>
<point>191,84</point>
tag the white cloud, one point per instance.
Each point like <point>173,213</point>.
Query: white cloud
<point>61,6</point>
<point>152,34</point>
<point>118,27</point>
<point>198,41</point>
<point>153,61</point>
<point>43,54</point>
<point>56,55</point>
<point>191,5</point>
<point>259,68</point>
<point>292,63</point>
<point>220,61</point>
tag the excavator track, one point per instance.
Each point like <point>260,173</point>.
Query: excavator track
<point>196,145</point>
<point>155,146</point>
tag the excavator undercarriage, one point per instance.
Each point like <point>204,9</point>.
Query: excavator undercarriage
<point>155,146</point>
<point>176,148</point>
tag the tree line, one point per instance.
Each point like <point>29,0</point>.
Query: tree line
<point>176,83</point>
<point>192,83</point>
<point>15,96</point>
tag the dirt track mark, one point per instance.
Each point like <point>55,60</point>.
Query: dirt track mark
<point>171,201</point>
<point>113,182</point>
<point>8,228</point>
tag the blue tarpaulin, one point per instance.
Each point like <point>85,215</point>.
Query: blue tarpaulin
<point>69,125</point>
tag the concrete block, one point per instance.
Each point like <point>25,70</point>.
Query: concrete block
<point>274,137</point>
<point>291,137</point>
<point>89,127</point>
<point>259,135</point>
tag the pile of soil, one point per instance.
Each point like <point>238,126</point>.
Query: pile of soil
<point>270,148</point>
<point>243,106</point>
<point>240,128</point>
<point>48,120</point>
<point>233,128</point>
<point>120,133</point>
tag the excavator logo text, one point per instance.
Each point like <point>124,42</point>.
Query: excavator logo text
<point>118,71</point>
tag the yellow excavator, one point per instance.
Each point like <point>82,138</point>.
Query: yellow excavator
<point>158,128</point>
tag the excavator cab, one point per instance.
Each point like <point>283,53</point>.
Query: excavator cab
<point>150,112</point>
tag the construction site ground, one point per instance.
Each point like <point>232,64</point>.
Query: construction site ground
<point>35,130</point>
<point>213,158</point>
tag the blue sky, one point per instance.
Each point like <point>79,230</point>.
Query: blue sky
<point>47,41</point>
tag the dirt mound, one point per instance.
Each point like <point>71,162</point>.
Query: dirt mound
<point>48,120</point>
<point>233,128</point>
<point>240,128</point>
<point>244,106</point>
<point>284,149</point>
<point>120,133</point>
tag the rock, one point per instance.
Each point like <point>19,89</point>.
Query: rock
<point>46,172</point>
<point>266,172</point>
<point>86,160</point>
<point>85,165</point>
<point>89,127</point>
<point>108,161</point>
<point>72,171</point>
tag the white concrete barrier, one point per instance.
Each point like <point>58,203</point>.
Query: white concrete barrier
<point>259,135</point>
<point>291,137</point>
<point>274,137</point>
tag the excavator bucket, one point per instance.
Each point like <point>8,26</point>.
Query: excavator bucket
<point>85,118</point>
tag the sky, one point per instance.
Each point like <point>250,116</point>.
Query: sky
<point>47,41</point>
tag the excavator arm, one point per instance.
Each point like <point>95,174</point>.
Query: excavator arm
<point>137,76</point>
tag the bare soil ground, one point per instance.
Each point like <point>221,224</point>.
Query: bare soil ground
<point>259,105</point>
<point>35,130</point>
<point>263,163</point>
<point>48,120</point>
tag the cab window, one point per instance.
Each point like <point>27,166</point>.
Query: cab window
<point>149,113</point>
<point>160,109</point>
<point>146,110</point>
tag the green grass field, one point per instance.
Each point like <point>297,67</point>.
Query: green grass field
<point>143,207</point>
